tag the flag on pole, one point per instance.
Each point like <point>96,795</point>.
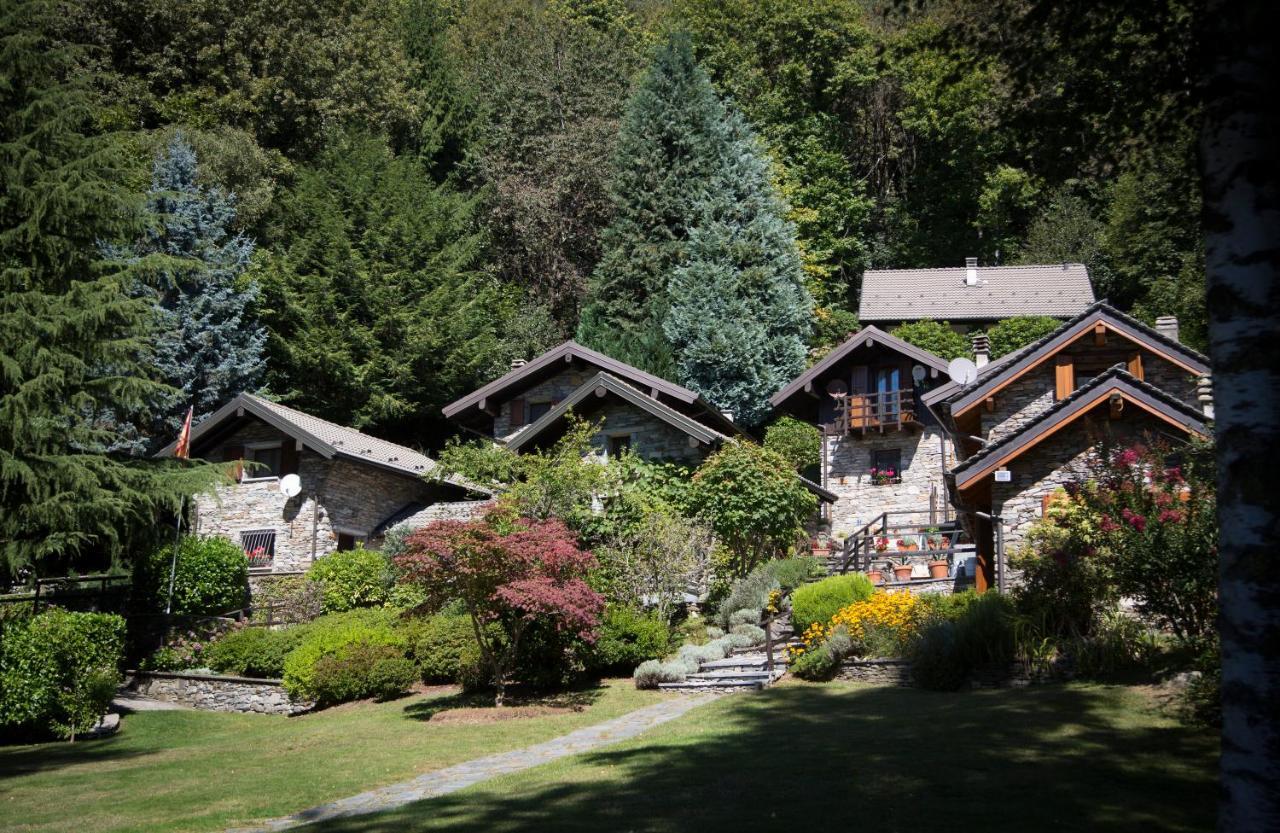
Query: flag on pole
<point>183,449</point>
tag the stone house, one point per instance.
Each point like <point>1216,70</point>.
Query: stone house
<point>882,450</point>
<point>973,297</point>
<point>354,487</point>
<point>1035,418</point>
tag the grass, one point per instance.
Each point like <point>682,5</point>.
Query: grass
<point>842,756</point>
<point>201,771</point>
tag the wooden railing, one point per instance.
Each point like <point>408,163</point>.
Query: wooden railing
<point>862,548</point>
<point>885,411</point>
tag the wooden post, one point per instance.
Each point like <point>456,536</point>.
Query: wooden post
<point>768,644</point>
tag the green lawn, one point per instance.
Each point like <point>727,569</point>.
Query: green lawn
<point>200,771</point>
<point>815,758</point>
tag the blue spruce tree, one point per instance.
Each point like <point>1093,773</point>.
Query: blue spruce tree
<point>739,313</point>
<point>206,343</point>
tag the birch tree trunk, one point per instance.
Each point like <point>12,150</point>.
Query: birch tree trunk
<point>1239,145</point>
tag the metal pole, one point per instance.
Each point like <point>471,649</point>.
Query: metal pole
<point>173,563</point>
<point>315,522</point>
<point>999,522</point>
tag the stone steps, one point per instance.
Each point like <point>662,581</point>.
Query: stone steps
<point>747,671</point>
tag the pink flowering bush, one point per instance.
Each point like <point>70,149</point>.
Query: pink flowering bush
<point>512,574</point>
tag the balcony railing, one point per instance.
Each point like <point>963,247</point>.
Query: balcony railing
<point>884,411</point>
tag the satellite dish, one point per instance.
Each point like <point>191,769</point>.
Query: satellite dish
<point>917,373</point>
<point>290,485</point>
<point>962,371</point>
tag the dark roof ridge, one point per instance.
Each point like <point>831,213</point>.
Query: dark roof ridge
<point>846,347</point>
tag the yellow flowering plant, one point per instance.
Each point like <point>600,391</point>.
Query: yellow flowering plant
<point>886,620</point>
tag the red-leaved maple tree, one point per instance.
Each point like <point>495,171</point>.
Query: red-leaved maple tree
<point>508,572</point>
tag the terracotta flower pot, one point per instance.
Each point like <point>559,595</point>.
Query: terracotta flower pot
<point>938,569</point>
<point>902,573</point>
<point>875,576</point>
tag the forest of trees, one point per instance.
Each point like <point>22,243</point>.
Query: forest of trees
<point>375,205</point>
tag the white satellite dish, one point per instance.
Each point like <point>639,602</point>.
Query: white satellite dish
<point>962,371</point>
<point>290,485</point>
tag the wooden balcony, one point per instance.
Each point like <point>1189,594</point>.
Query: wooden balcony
<point>885,411</point>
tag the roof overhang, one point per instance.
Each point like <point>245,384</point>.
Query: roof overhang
<point>999,376</point>
<point>244,404</point>
<point>1113,383</point>
<point>866,337</point>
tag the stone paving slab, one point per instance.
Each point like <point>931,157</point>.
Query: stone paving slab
<point>137,703</point>
<point>460,776</point>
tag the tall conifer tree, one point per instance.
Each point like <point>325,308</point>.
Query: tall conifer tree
<point>739,314</point>
<point>207,344</point>
<point>667,152</point>
<point>65,313</point>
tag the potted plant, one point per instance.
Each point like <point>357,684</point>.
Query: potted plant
<point>902,570</point>
<point>821,547</point>
<point>882,544</point>
<point>905,545</point>
<point>933,538</point>
<point>875,575</point>
<point>939,568</point>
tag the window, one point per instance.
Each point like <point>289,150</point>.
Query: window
<point>259,547</point>
<point>888,383</point>
<point>346,541</point>
<point>537,410</point>
<point>886,466</point>
<point>268,456</point>
<point>619,445</point>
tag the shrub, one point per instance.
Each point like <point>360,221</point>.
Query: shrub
<point>935,336</point>
<point>211,577</point>
<point>627,638</point>
<point>713,632</point>
<point>288,598</point>
<point>360,669</point>
<point>1118,643</point>
<point>797,441</point>
<point>254,651</point>
<point>935,658</point>
<point>351,579</point>
<point>651,672</point>
<point>439,643</point>
<point>948,651</point>
<point>332,636</point>
<point>751,592</point>
<point>793,572</point>
<point>816,603</point>
<point>822,661</point>
<point>59,670</point>
<point>754,632</point>
<point>185,648</point>
<point>1015,333</point>
<point>744,617</point>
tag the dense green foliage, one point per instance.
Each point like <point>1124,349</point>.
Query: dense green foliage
<point>352,578</point>
<point>1013,333</point>
<point>253,651</point>
<point>818,602</point>
<point>441,644</point>
<point>356,637</point>
<point>627,638</point>
<point>798,441</point>
<point>935,336</point>
<point>359,669</point>
<point>211,576</point>
<point>59,671</point>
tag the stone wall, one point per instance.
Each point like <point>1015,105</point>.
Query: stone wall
<point>1018,404</point>
<point>895,672</point>
<point>337,496</point>
<point>556,388</point>
<point>848,475</point>
<point>1171,379</point>
<point>210,692</point>
<point>651,438</point>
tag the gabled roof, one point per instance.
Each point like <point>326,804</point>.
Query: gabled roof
<point>1116,381</point>
<point>521,377</point>
<point>604,384</point>
<point>1058,290</point>
<point>328,439</point>
<point>865,336</point>
<point>1006,369</point>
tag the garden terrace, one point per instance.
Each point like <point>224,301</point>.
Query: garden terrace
<point>914,538</point>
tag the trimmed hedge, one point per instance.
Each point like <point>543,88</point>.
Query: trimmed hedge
<point>351,579</point>
<point>360,669</point>
<point>59,671</point>
<point>627,638</point>
<point>211,577</point>
<point>440,645</point>
<point>254,652</point>
<point>818,602</point>
<point>333,636</point>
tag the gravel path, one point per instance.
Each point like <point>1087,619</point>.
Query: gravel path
<point>454,778</point>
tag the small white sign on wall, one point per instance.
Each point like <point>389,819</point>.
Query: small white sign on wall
<point>1004,476</point>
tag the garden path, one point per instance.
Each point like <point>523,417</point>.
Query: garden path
<point>454,778</point>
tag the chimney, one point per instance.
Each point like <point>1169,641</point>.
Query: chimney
<point>516,364</point>
<point>1204,393</point>
<point>970,271</point>
<point>1167,326</point>
<point>981,349</point>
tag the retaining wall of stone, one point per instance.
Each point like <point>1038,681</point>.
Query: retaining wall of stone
<point>216,693</point>
<point>897,672</point>
<point>876,671</point>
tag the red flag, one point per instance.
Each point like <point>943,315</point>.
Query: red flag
<point>183,449</point>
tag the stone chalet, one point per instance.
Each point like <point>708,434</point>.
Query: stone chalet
<point>528,408</point>
<point>1033,419</point>
<point>353,487</point>
<point>973,297</point>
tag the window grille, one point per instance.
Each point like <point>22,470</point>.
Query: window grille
<point>259,547</point>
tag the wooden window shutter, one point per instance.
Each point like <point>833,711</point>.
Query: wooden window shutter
<point>1064,377</point>
<point>517,412</point>
<point>234,452</point>
<point>1135,365</point>
<point>858,379</point>
<point>289,456</point>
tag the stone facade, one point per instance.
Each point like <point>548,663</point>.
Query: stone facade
<point>650,437</point>
<point>1018,404</point>
<point>338,496</point>
<point>890,672</point>
<point>553,390</point>
<point>924,452</point>
<point>210,692</point>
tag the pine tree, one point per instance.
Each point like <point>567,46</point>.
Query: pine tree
<point>65,313</point>
<point>740,314</point>
<point>665,157</point>
<point>206,344</point>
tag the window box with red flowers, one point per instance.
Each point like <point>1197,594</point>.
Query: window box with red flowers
<point>885,477</point>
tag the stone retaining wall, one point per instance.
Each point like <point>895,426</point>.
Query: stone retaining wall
<point>216,693</point>
<point>896,672</point>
